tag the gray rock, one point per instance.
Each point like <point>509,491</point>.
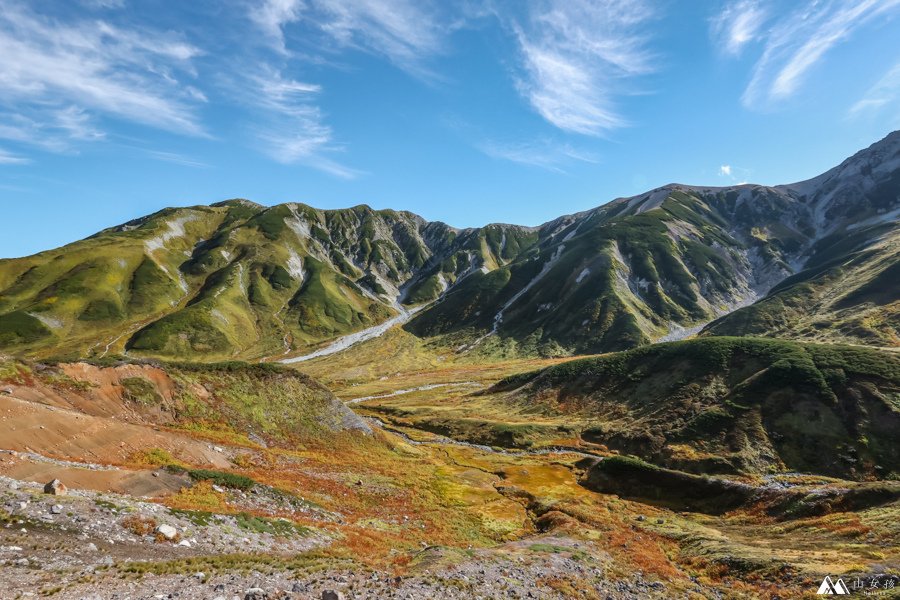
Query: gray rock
<point>256,593</point>
<point>56,509</point>
<point>167,531</point>
<point>332,595</point>
<point>56,488</point>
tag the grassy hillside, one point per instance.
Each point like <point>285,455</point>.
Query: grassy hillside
<point>235,280</point>
<point>730,405</point>
<point>847,292</point>
<point>235,402</point>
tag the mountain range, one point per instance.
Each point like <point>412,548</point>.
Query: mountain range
<point>814,260</point>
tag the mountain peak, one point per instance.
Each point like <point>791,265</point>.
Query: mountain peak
<point>237,202</point>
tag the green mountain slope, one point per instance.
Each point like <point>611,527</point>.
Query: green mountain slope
<point>662,265</point>
<point>730,405</point>
<point>848,288</point>
<point>235,280</point>
<point>239,280</point>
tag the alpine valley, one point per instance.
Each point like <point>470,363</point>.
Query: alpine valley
<point>689,393</point>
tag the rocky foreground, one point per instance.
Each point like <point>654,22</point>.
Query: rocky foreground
<point>87,545</point>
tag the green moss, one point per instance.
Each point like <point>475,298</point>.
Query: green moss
<point>18,327</point>
<point>220,478</point>
<point>102,310</point>
<point>278,527</point>
<point>150,288</point>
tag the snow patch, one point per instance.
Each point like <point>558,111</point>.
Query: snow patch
<point>584,273</point>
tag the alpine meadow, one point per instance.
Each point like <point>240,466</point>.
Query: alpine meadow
<point>689,392</point>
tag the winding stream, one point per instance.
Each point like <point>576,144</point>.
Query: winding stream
<point>440,440</point>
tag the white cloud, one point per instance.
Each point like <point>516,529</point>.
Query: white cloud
<point>291,126</point>
<point>90,65</point>
<point>544,154</point>
<point>407,32</point>
<point>735,175</point>
<point>271,17</point>
<point>885,92</point>
<point>801,40</point>
<point>576,55</point>
<point>738,24</point>
<point>7,158</point>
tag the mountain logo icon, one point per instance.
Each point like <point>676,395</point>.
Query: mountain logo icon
<point>830,587</point>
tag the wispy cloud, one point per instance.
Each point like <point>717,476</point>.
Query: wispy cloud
<point>725,170</point>
<point>7,158</point>
<point>544,154</point>
<point>64,70</point>
<point>800,40</point>
<point>576,56</point>
<point>271,16</point>
<point>176,158</point>
<point>104,4</point>
<point>406,32</point>
<point>738,24</point>
<point>53,129</point>
<point>290,124</point>
<point>885,92</point>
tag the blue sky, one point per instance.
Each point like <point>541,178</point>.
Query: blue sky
<point>468,112</point>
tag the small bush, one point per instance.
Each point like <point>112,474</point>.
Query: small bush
<point>230,480</point>
<point>139,525</point>
<point>141,391</point>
